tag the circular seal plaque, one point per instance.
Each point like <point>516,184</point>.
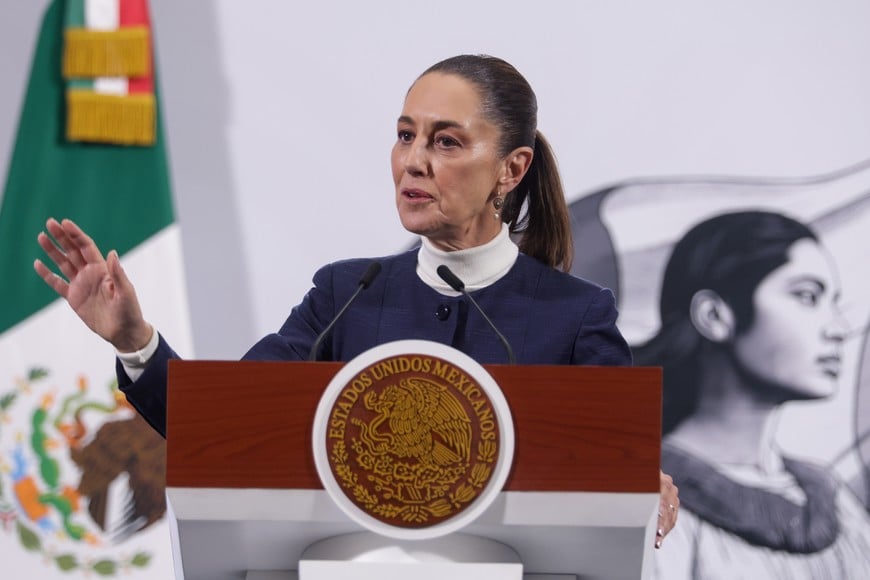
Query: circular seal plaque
<point>413,439</point>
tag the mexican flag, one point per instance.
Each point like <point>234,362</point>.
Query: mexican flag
<point>81,476</point>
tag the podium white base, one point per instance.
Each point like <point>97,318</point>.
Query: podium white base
<point>369,556</point>
<point>277,575</point>
<point>558,535</point>
<point>335,570</point>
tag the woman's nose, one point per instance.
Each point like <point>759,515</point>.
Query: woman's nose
<point>838,328</point>
<point>417,158</point>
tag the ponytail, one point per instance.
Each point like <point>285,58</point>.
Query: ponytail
<point>537,210</point>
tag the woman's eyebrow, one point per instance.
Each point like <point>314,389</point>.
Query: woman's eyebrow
<point>438,125</point>
<point>808,279</point>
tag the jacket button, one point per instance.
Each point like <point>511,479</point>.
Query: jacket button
<point>442,312</point>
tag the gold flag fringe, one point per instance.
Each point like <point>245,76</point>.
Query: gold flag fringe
<point>106,53</point>
<point>117,119</point>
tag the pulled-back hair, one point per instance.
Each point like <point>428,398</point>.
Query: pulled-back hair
<point>729,254</point>
<point>536,208</point>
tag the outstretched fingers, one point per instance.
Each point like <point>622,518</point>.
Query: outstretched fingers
<point>54,281</point>
<point>117,273</point>
<point>68,247</point>
<point>97,289</point>
<point>85,247</point>
<point>58,256</point>
<point>71,251</point>
<point>65,246</point>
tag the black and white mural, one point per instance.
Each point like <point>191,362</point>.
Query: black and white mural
<point>754,296</point>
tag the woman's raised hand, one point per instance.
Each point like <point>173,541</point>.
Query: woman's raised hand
<point>97,289</point>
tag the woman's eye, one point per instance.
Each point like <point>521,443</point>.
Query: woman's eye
<point>806,297</point>
<point>405,136</point>
<point>445,141</point>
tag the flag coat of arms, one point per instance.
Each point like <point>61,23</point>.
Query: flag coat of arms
<point>81,475</point>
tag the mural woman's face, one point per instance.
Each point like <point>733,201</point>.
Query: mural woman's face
<point>794,342</point>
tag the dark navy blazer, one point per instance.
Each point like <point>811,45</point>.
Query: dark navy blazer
<point>547,316</point>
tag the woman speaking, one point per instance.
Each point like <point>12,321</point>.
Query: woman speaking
<point>471,173</point>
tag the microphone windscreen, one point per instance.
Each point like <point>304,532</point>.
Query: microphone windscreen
<point>450,278</point>
<point>370,274</point>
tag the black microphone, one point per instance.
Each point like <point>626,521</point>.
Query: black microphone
<point>364,282</point>
<point>459,286</point>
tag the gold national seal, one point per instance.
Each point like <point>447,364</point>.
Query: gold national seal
<point>412,440</point>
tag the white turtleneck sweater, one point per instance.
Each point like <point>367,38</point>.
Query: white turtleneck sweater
<point>477,268</point>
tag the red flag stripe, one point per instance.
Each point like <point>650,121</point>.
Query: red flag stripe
<point>135,13</point>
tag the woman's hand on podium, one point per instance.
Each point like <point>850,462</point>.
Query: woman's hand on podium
<point>669,507</point>
<point>97,289</point>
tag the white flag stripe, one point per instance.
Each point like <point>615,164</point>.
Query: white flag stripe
<point>111,85</point>
<point>102,14</point>
<point>156,267</point>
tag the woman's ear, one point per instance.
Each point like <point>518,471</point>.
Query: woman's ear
<point>711,316</point>
<point>516,164</point>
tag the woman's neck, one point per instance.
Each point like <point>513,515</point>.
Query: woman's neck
<point>731,424</point>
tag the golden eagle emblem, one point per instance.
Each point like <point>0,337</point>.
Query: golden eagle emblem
<point>425,421</point>
<point>408,447</point>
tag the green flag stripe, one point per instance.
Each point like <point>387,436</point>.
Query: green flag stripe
<point>119,195</point>
<point>75,13</point>
<point>80,84</point>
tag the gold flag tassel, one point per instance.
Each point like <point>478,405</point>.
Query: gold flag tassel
<point>106,53</point>
<point>121,119</point>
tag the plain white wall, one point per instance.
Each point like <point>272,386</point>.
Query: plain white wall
<point>280,115</point>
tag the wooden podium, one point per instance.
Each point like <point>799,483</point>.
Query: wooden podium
<point>581,499</point>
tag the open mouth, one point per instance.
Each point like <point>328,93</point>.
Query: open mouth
<point>415,194</point>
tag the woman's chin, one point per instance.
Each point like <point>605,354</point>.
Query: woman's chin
<point>821,387</point>
<point>417,224</point>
